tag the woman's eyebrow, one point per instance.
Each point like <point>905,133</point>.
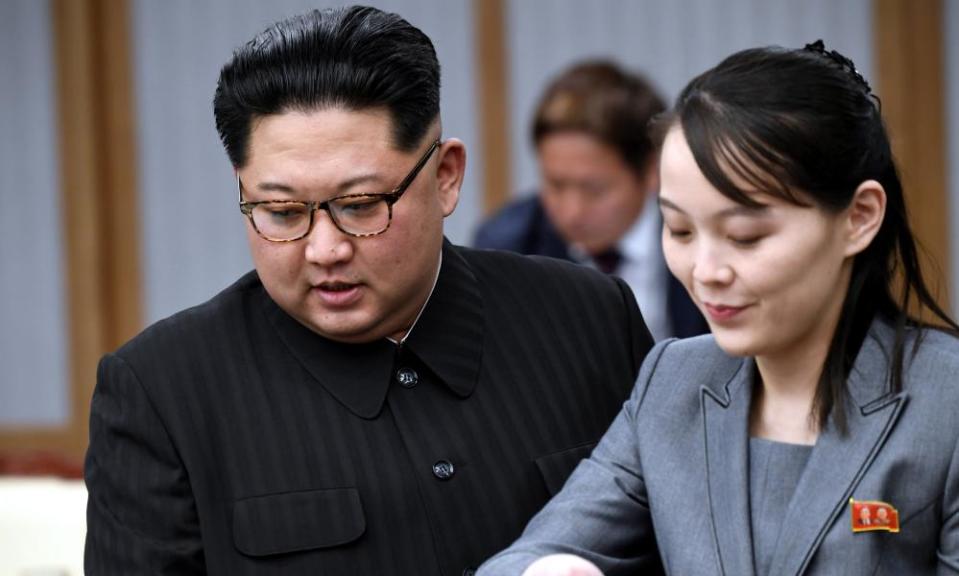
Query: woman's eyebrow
<point>737,210</point>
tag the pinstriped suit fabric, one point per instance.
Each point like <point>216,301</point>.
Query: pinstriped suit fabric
<point>229,439</point>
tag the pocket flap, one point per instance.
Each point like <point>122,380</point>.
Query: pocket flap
<point>557,467</point>
<point>293,521</point>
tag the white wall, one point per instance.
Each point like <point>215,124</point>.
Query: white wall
<point>33,326</point>
<point>193,241</point>
<point>669,40</point>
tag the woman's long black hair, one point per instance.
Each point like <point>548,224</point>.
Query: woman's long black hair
<point>788,121</point>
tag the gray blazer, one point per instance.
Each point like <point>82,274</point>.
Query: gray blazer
<point>667,487</point>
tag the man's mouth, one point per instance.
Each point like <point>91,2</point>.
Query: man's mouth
<point>336,286</point>
<point>338,294</point>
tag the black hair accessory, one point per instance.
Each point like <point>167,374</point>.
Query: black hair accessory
<point>845,63</point>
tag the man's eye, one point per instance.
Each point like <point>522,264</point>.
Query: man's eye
<point>283,212</point>
<point>678,234</point>
<point>553,188</point>
<point>595,189</point>
<point>361,206</point>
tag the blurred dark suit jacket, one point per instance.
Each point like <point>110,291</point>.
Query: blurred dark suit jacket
<point>229,439</point>
<point>522,226</point>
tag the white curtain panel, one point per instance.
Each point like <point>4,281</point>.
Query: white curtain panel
<point>33,324</point>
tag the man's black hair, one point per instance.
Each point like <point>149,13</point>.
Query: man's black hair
<point>354,58</point>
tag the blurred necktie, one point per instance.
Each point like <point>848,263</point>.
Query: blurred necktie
<point>608,261</point>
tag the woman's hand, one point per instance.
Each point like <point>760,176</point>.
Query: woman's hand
<point>562,565</point>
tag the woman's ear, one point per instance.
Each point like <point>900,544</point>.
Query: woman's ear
<point>449,173</point>
<point>864,216</point>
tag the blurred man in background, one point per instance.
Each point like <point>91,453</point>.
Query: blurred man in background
<point>597,199</point>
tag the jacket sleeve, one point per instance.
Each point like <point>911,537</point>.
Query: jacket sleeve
<point>949,534</point>
<point>141,516</point>
<point>602,513</point>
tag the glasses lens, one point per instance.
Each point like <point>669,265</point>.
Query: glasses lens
<point>281,220</point>
<point>361,214</point>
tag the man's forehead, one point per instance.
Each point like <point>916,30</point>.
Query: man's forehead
<point>331,131</point>
<point>332,123</point>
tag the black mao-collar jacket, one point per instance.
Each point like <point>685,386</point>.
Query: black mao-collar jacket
<point>230,439</point>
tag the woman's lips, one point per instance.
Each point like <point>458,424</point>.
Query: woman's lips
<point>338,294</point>
<point>722,312</point>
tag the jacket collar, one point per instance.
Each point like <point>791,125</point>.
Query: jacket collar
<point>834,468</point>
<point>838,462</point>
<point>733,378</point>
<point>448,338</point>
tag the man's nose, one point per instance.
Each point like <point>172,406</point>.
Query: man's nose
<point>571,208</point>
<point>326,244</point>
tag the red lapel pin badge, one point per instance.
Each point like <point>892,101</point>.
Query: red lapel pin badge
<point>871,515</point>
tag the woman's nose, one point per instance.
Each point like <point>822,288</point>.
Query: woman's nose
<point>710,266</point>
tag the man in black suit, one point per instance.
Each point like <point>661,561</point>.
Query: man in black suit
<point>597,199</point>
<point>372,399</point>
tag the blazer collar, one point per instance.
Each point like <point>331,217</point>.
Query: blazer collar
<point>725,404</point>
<point>867,381</point>
<point>448,338</point>
<point>838,462</point>
<point>834,468</point>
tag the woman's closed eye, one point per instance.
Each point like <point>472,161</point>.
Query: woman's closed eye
<point>745,241</point>
<point>679,233</point>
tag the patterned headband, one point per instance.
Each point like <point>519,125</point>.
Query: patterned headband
<point>845,63</point>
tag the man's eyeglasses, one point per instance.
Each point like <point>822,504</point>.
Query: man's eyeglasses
<point>358,215</point>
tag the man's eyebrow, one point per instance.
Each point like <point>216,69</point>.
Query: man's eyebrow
<point>737,210</point>
<point>274,187</point>
<point>342,187</point>
<point>360,179</point>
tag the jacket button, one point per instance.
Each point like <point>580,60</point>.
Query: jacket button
<point>407,377</point>
<point>443,470</point>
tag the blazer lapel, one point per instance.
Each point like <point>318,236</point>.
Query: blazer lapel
<point>726,435</point>
<point>837,463</point>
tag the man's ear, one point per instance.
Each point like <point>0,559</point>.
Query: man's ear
<point>864,215</point>
<point>449,173</point>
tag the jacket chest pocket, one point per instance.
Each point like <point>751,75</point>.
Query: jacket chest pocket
<point>296,521</point>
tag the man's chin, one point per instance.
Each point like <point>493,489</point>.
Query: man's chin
<point>343,328</point>
<point>591,248</point>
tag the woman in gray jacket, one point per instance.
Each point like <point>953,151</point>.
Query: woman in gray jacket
<point>815,431</point>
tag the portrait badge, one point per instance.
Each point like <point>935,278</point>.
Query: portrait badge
<point>871,515</point>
